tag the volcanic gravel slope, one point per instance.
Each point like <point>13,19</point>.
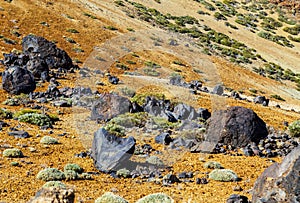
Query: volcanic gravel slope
<point>52,19</point>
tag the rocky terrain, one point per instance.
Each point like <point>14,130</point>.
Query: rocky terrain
<point>149,101</point>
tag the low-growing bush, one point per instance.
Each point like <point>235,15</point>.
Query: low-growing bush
<point>70,175</point>
<point>48,140</point>
<point>50,174</point>
<point>212,165</point>
<point>12,153</point>
<point>115,129</point>
<point>110,197</point>
<point>5,113</point>
<point>294,128</point>
<point>156,198</point>
<point>224,175</point>
<point>275,96</point>
<point>36,119</point>
<point>56,184</point>
<point>72,30</point>
<point>73,167</point>
<point>123,173</point>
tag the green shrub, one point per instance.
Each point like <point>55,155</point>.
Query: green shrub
<point>294,128</point>
<point>115,129</point>
<point>5,113</point>
<point>156,198</point>
<point>151,72</point>
<point>24,111</point>
<point>85,176</point>
<point>72,30</point>
<point>90,15</point>
<point>50,174</point>
<point>73,167</point>
<point>123,173</point>
<point>110,197</point>
<point>14,163</point>
<point>155,161</point>
<point>275,96</point>
<point>212,165</point>
<point>56,184</point>
<point>109,27</point>
<point>129,120</point>
<point>152,64</point>
<point>12,153</point>
<point>48,140</point>
<point>224,175</point>
<point>141,98</point>
<point>70,175</point>
<point>36,119</point>
<point>126,91</point>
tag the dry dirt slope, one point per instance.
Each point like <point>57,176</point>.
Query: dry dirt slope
<point>52,19</point>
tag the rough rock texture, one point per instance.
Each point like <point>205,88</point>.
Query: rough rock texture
<point>47,51</point>
<point>185,112</point>
<point>236,126</point>
<point>50,195</point>
<point>17,80</point>
<point>237,199</point>
<point>280,182</point>
<point>111,152</point>
<point>109,106</point>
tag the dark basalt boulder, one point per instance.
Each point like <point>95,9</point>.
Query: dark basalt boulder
<point>17,80</point>
<point>236,126</point>
<point>54,194</point>
<point>261,100</point>
<point>234,198</point>
<point>47,51</point>
<point>38,67</point>
<point>110,152</point>
<point>280,182</point>
<point>109,106</point>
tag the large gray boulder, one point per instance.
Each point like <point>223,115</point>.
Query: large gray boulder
<point>110,152</point>
<point>47,51</point>
<point>280,182</point>
<point>185,112</point>
<point>236,126</point>
<point>109,106</point>
<point>17,80</point>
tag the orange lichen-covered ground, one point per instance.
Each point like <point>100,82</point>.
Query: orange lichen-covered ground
<point>52,19</point>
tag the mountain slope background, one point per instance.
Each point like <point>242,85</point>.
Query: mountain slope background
<point>82,28</point>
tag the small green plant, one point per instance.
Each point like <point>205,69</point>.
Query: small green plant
<point>85,176</point>
<point>109,27</point>
<point>24,111</point>
<point>55,184</point>
<point>151,72</point>
<point>141,98</point>
<point>155,161</point>
<point>152,64</point>
<point>275,96</point>
<point>130,29</point>
<point>156,198</point>
<point>294,128</point>
<point>35,118</point>
<point>126,91</point>
<point>115,129</point>
<point>50,174</point>
<point>70,40</point>
<point>70,175</point>
<point>90,15</point>
<point>72,30</point>
<point>123,173</point>
<point>5,113</point>
<point>224,175</point>
<point>48,140</point>
<point>12,153</point>
<point>73,167</point>
<point>119,3</point>
<point>14,163</point>
<point>110,197</point>
<point>212,165</point>
<point>77,50</point>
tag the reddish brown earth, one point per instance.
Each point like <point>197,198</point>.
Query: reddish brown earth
<point>19,184</point>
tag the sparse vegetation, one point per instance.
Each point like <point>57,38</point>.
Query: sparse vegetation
<point>48,140</point>
<point>294,128</point>
<point>125,173</point>
<point>155,161</point>
<point>50,174</point>
<point>110,197</point>
<point>55,184</point>
<point>73,167</point>
<point>224,175</point>
<point>72,30</point>
<point>36,119</point>
<point>212,165</point>
<point>157,197</point>
<point>12,153</point>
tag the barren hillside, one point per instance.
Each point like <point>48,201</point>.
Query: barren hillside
<point>249,47</point>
